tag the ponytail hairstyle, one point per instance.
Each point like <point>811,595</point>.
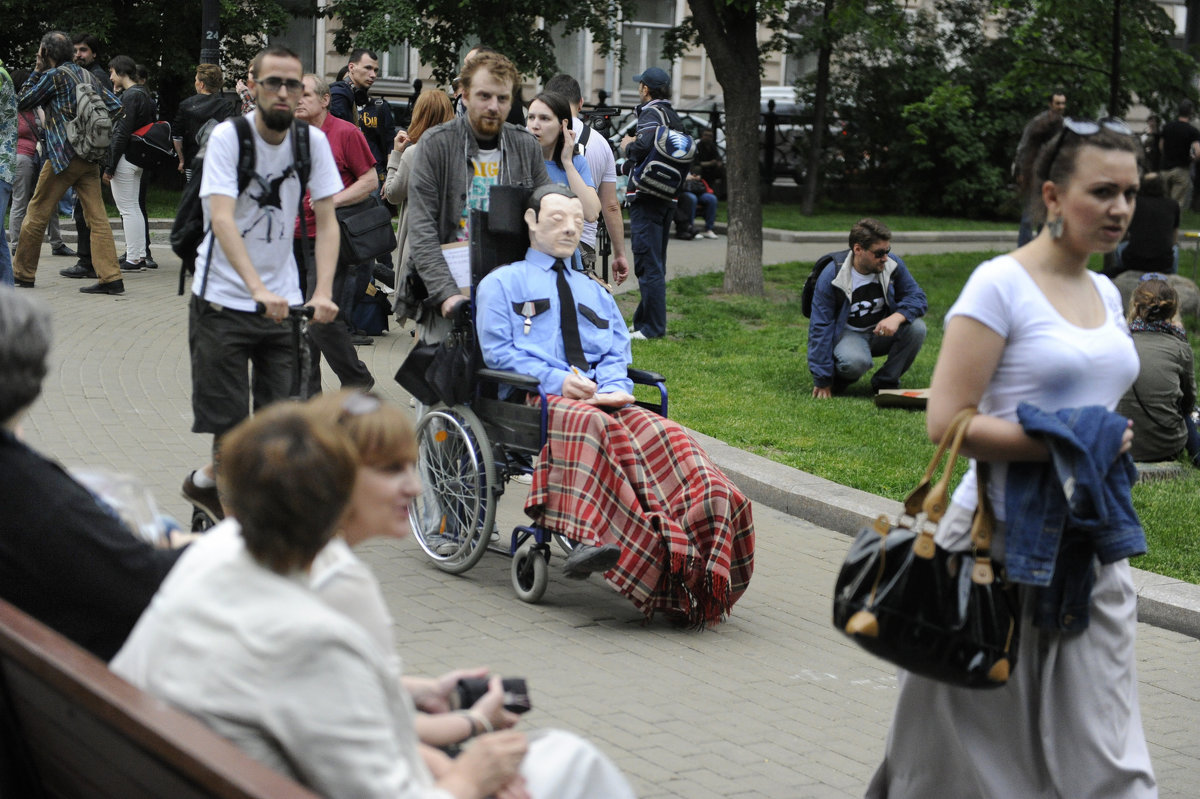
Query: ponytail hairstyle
<point>1153,301</point>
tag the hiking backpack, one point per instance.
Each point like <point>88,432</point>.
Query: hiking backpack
<point>90,131</point>
<point>810,284</point>
<point>664,169</point>
<point>188,229</point>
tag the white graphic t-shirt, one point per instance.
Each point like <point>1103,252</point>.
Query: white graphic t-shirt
<point>867,305</point>
<point>485,174</point>
<point>265,212</point>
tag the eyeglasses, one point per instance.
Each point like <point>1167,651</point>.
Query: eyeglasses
<point>272,84</point>
<point>1084,128</point>
<point>884,253</point>
<point>1152,276</point>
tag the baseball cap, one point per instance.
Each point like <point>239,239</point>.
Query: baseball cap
<point>654,78</point>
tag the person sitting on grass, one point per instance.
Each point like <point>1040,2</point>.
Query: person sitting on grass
<point>637,493</point>
<point>1161,400</point>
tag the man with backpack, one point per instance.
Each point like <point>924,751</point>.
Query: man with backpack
<point>651,207</point>
<point>864,304</point>
<point>79,119</point>
<point>197,111</point>
<point>252,180</point>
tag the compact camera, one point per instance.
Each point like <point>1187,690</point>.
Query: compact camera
<point>516,695</point>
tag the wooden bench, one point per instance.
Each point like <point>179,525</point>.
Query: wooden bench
<point>71,729</point>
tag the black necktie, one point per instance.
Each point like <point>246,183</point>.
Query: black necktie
<point>570,319</point>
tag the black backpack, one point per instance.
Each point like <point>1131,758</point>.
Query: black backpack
<point>188,229</point>
<point>810,284</point>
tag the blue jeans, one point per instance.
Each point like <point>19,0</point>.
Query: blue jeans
<point>6,271</point>
<point>707,203</point>
<point>650,229</point>
<point>855,353</point>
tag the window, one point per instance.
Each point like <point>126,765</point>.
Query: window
<point>395,63</point>
<point>570,51</point>
<point>300,36</point>
<point>643,37</point>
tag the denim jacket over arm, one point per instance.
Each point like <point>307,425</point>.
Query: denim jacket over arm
<point>1062,513</point>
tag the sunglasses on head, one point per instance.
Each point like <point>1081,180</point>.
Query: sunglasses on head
<point>1152,276</point>
<point>1083,128</point>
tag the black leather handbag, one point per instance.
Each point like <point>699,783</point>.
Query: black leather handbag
<point>949,616</point>
<point>367,233</point>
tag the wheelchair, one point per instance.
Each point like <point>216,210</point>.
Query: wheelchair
<point>469,451</point>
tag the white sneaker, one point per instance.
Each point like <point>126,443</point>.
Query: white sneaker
<point>638,335</point>
<point>710,234</point>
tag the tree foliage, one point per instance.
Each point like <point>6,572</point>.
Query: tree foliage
<point>162,34</point>
<point>442,30</point>
<point>931,104</point>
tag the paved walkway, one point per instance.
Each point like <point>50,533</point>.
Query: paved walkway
<point>773,704</point>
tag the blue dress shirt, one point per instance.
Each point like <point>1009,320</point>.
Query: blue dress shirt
<point>520,329</point>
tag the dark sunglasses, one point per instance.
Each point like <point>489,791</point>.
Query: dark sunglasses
<point>272,84</point>
<point>1084,128</point>
<point>884,253</point>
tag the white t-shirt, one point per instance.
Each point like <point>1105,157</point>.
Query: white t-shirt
<point>1047,361</point>
<point>265,212</point>
<point>602,165</point>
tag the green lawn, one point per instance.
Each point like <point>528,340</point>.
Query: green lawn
<point>737,370</point>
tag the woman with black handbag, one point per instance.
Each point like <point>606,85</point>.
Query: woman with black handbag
<point>1036,336</point>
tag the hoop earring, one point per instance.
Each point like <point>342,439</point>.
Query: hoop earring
<point>1055,226</point>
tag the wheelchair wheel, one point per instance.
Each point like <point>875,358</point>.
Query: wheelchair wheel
<point>453,517</point>
<point>201,521</point>
<point>531,572</point>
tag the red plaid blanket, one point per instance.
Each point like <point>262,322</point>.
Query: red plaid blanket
<point>636,479</point>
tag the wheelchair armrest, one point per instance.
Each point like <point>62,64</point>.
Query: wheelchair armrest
<point>515,379</point>
<point>644,377</point>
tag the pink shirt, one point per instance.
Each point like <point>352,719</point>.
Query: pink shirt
<point>26,134</point>
<point>352,155</point>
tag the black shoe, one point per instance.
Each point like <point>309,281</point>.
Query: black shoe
<point>150,262</point>
<point>112,287</point>
<point>64,251</point>
<point>585,559</point>
<point>22,284</point>
<point>136,266</point>
<point>80,270</point>
<point>685,235</point>
<point>361,341</point>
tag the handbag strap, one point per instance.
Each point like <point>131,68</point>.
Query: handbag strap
<point>920,498</point>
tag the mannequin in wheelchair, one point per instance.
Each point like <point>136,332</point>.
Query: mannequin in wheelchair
<point>650,509</point>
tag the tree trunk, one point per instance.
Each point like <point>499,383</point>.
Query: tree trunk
<point>730,37</point>
<point>817,142</point>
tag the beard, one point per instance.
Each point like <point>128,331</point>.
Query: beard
<point>276,119</point>
<point>487,128</point>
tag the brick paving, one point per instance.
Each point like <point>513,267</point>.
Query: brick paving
<point>774,703</point>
